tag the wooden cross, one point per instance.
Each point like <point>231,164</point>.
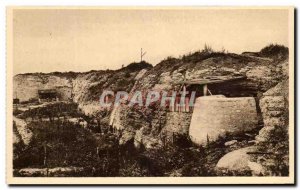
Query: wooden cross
<point>142,54</point>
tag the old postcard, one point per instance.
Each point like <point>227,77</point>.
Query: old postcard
<point>157,95</point>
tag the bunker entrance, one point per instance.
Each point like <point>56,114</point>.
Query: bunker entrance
<point>228,86</point>
<point>47,95</point>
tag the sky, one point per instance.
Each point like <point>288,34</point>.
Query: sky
<point>47,40</point>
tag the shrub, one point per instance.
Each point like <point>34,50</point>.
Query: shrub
<point>205,53</point>
<point>275,51</point>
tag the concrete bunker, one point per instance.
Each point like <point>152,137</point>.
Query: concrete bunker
<point>47,95</point>
<point>214,115</point>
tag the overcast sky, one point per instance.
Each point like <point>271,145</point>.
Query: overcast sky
<point>82,40</point>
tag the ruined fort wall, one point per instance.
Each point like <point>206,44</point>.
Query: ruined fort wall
<point>25,87</point>
<point>274,107</point>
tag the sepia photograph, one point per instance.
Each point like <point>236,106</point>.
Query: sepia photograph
<point>150,95</point>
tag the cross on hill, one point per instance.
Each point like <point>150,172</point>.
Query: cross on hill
<point>142,54</point>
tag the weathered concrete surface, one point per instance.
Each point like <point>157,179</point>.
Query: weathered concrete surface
<point>214,116</point>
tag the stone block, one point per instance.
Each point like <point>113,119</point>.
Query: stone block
<point>239,161</point>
